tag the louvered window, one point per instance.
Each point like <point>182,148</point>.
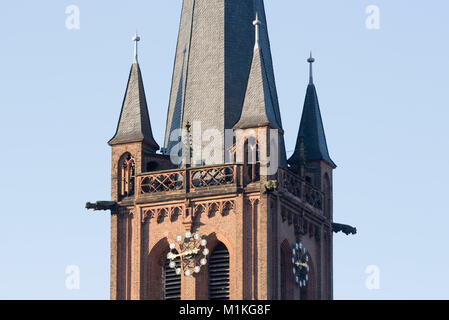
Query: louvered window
<point>172,281</point>
<point>219,273</point>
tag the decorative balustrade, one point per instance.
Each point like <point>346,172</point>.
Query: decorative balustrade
<point>190,179</point>
<point>292,184</point>
<point>313,197</point>
<point>202,178</point>
<point>162,182</point>
<point>211,177</point>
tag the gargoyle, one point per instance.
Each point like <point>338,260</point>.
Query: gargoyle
<point>346,229</point>
<point>271,186</point>
<point>102,205</point>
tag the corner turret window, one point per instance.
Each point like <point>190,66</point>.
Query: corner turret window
<point>252,160</point>
<point>127,173</point>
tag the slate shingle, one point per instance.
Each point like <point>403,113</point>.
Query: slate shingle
<point>134,123</point>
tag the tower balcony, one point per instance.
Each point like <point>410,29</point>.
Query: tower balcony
<point>219,180</point>
<point>188,182</point>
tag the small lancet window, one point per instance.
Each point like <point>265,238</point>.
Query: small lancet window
<point>252,160</point>
<point>127,173</point>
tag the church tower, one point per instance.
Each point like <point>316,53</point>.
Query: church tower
<point>240,222</point>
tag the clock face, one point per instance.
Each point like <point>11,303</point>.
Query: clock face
<point>193,254</point>
<point>300,262</point>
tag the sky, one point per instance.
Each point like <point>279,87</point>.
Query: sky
<point>384,103</point>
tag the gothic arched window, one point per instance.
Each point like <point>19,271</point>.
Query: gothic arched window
<point>252,159</point>
<point>219,273</point>
<point>171,280</point>
<point>127,173</point>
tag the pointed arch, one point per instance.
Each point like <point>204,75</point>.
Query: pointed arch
<point>219,273</point>
<point>251,151</point>
<point>156,261</point>
<point>202,279</point>
<point>126,175</point>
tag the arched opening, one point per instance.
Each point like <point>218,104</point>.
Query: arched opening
<point>171,279</point>
<point>252,159</point>
<point>219,273</point>
<point>160,281</point>
<point>126,175</point>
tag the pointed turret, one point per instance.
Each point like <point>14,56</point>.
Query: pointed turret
<point>258,110</point>
<point>134,124</point>
<point>311,130</point>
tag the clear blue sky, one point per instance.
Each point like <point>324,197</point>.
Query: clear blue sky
<point>383,96</point>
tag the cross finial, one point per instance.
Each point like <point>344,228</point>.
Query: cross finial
<point>136,39</point>
<point>311,60</point>
<point>256,24</point>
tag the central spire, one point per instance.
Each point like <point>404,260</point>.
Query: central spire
<point>212,66</point>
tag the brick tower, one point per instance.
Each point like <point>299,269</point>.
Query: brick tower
<point>248,202</point>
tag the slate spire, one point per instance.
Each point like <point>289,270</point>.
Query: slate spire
<point>311,130</point>
<point>134,124</point>
<point>258,108</point>
<point>212,65</point>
